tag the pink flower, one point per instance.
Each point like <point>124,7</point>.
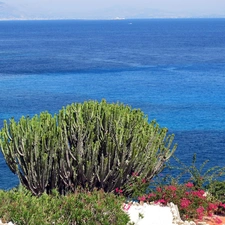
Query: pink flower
<point>162,201</point>
<point>199,193</point>
<point>119,190</point>
<point>210,214</point>
<point>143,181</point>
<point>151,195</point>
<point>159,189</point>
<point>172,188</point>
<point>134,174</point>
<point>189,185</point>
<point>217,220</point>
<point>142,198</point>
<point>222,205</point>
<point>212,207</point>
<point>126,207</point>
<point>200,212</point>
<point>184,203</point>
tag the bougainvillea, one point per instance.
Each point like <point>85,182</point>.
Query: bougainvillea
<point>192,203</point>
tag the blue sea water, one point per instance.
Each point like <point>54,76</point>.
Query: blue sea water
<point>172,69</point>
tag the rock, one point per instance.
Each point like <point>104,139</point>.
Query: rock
<point>201,223</point>
<point>176,216</point>
<point>154,214</point>
<point>1,223</point>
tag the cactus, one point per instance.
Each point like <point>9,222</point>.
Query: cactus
<point>29,148</point>
<point>93,145</point>
<point>110,141</point>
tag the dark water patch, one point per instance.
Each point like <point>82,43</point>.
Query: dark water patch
<point>207,145</point>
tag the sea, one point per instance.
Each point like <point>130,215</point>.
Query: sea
<point>171,69</point>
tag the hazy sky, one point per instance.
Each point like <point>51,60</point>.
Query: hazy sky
<point>119,8</point>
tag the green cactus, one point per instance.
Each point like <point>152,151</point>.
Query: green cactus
<point>93,145</point>
<point>110,141</point>
<point>29,148</point>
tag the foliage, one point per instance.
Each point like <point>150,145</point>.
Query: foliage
<point>92,145</point>
<point>217,189</point>
<point>81,207</point>
<point>200,176</point>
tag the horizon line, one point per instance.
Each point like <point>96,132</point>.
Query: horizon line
<point>116,18</point>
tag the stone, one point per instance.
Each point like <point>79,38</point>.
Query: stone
<point>176,216</point>
<point>1,223</point>
<point>154,214</point>
<point>202,223</point>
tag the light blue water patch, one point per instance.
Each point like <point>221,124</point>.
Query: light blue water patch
<point>179,100</point>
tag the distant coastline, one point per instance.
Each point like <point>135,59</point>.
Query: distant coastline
<point>116,18</point>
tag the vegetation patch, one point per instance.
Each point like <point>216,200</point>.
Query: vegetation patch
<point>81,207</point>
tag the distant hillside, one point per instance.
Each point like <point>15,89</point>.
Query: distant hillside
<point>35,10</point>
<point>9,12</point>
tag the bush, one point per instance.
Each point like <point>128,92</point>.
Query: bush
<point>201,176</point>
<point>81,207</point>
<point>217,189</point>
<point>92,145</point>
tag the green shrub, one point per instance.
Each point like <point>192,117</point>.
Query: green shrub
<point>200,175</point>
<point>81,207</point>
<point>217,189</point>
<point>92,145</point>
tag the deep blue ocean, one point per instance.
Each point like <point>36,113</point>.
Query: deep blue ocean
<point>172,69</point>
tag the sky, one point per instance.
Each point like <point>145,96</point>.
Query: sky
<point>109,9</point>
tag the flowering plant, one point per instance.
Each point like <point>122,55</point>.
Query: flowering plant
<point>192,203</point>
<point>191,197</point>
